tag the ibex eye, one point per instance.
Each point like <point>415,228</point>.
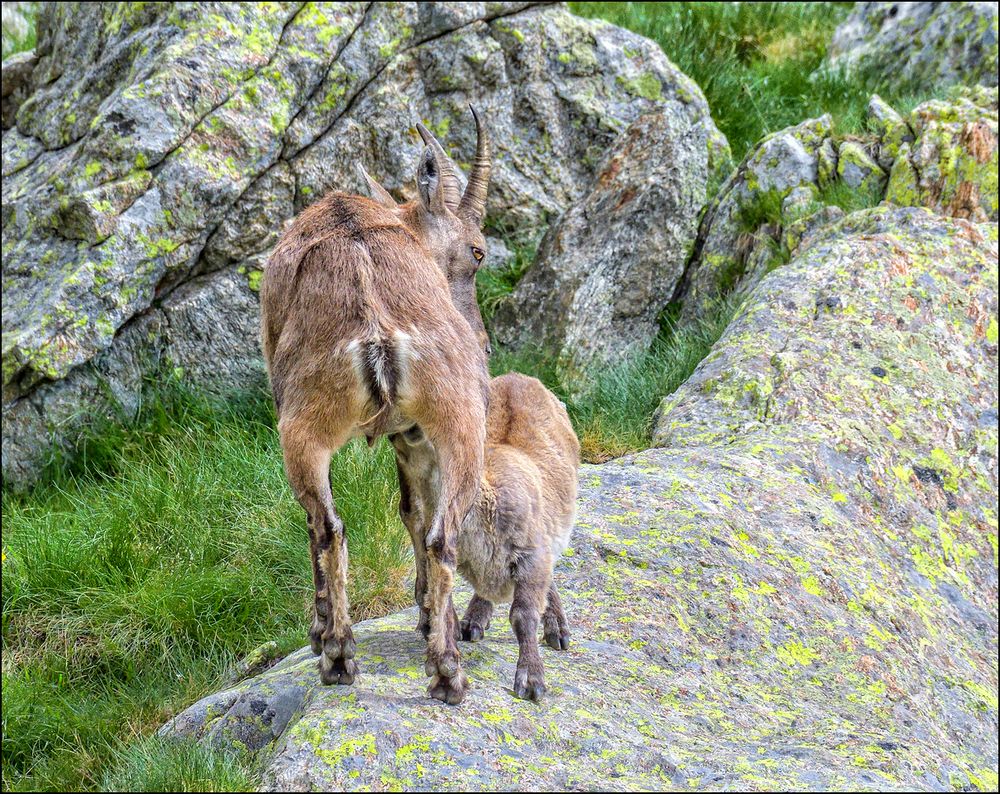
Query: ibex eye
<point>478,253</point>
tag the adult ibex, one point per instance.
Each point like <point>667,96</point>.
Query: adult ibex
<point>370,327</point>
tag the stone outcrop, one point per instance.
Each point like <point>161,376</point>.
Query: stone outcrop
<point>925,44</point>
<point>799,591</point>
<point>157,150</point>
<point>609,265</point>
<point>943,156</point>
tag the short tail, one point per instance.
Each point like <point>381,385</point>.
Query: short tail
<point>380,371</point>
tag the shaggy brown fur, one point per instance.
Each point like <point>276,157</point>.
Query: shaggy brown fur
<point>521,521</point>
<point>369,327</point>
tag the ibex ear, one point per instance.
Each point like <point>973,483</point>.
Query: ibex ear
<point>376,192</point>
<point>429,183</point>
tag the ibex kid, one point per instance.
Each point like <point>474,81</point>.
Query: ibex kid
<point>521,521</point>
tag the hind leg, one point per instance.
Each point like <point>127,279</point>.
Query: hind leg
<point>307,464</point>
<point>554,623</point>
<point>477,619</point>
<point>412,515</point>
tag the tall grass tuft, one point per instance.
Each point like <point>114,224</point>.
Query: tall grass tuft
<point>758,63</point>
<point>614,415</point>
<point>135,579</point>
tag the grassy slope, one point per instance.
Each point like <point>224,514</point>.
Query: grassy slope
<point>755,62</point>
<point>132,583</point>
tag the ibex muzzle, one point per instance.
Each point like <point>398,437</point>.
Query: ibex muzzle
<point>370,327</point>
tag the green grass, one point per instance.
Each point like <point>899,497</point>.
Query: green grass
<point>494,284</point>
<point>159,765</point>
<point>19,28</point>
<point>755,62</point>
<point>614,416</point>
<point>137,577</point>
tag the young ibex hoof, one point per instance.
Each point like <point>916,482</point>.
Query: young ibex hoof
<point>529,686</point>
<point>449,690</point>
<point>558,640</point>
<point>472,632</point>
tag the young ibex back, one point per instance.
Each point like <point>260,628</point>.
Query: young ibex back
<point>370,327</point>
<point>521,521</point>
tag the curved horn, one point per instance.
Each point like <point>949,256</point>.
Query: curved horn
<point>376,192</point>
<point>449,178</point>
<point>474,201</point>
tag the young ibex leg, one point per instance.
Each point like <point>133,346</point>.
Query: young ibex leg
<point>308,469</point>
<point>554,624</point>
<point>413,519</point>
<point>529,599</point>
<point>477,619</point>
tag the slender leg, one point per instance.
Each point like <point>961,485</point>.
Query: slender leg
<point>477,619</point>
<point>307,465</point>
<point>321,604</point>
<point>554,623</point>
<point>413,520</point>
<point>529,599</point>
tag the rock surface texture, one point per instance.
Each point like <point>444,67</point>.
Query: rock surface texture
<point>798,591</point>
<point>943,155</point>
<point>921,43</point>
<point>156,150</point>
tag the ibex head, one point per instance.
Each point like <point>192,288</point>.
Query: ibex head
<point>447,221</point>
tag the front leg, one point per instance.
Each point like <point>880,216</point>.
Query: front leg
<point>413,512</point>
<point>529,597</point>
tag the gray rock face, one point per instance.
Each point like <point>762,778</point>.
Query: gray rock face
<point>921,43</point>
<point>612,262</point>
<point>943,156</point>
<point>159,149</point>
<point>798,592</point>
<point>17,71</point>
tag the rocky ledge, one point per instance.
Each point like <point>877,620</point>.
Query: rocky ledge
<point>798,590</point>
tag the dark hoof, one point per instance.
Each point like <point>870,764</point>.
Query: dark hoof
<point>449,690</point>
<point>558,640</point>
<point>471,632</point>
<point>528,686</point>
<point>339,671</point>
<point>337,665</point>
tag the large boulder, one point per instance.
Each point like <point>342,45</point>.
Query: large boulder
<point>942,155</point>
<point>158,150</point>
<point>609,265</point>
<point>798,592</point>
<point>920,44</point>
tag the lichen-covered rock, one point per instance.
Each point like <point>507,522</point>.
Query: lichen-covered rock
<point>943,156</point>
<point>160,148</point>
<point>925,44</point>
<point>779,164</point>
<point>856,168</point>
<point>611,263</point>
<point>17,71</point>
<point>799,592</point>
<point>952,164</point>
